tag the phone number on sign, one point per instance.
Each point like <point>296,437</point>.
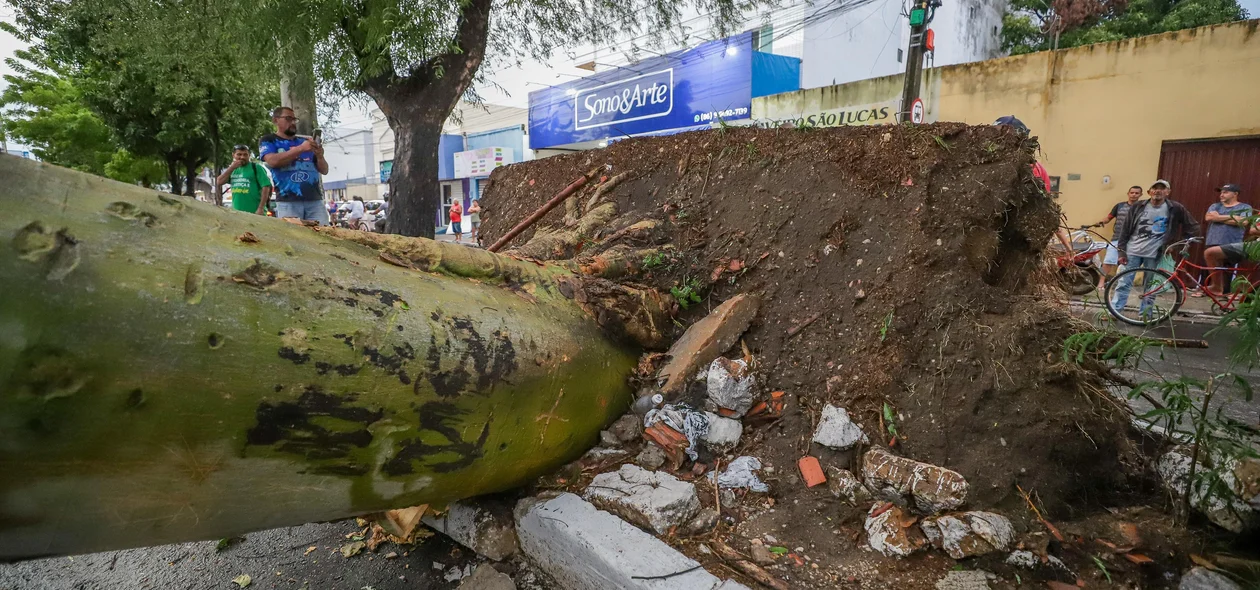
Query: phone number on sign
<point>726,114</point>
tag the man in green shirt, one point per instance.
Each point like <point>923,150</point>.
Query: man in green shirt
<point>251,184</point>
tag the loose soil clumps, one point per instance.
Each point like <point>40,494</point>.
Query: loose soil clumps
<point>895,268</point>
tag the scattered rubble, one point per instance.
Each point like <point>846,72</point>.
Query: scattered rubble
<point>891,531</point>
<point>759,553</point>
<point>965,580</point>
<point>706,339</point>
<point>608,440</point>
<point>844,485</point>
<point>485,577</point>
<point>1236,511</point>
<point>930,489</point>
<point>739,474</point>
<point>654,500</point>
<point>969,534</point>
<point>1201,578</point>
<point>483,526</point>
<point>650,458</point>
<point>681,419</point>
<point>584,548</point>
<point>702,522</point>
<point>730,387</point>
<point>723,434</point>
<point>628,428</point>
<point>837,431</point>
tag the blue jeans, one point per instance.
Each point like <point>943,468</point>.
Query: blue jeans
<point>312,210</point>
<point>1121,298</point>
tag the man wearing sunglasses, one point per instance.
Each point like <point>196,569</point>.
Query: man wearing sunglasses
<point>251,185</point>
<point>296,163</point>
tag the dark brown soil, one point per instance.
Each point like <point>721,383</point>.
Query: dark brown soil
<point>911,249</point>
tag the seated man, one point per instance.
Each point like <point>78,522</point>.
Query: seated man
<point>1230,255</point>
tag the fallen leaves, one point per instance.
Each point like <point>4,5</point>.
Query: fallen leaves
<point>248,238</point>
<point>243,580</point>
<point>351,549</point>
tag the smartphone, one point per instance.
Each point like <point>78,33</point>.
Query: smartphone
<point>318,136</point>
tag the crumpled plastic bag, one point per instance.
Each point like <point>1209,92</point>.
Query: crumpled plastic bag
<point>730,387</point>
<point>739,474</point>
<point>683,418</point>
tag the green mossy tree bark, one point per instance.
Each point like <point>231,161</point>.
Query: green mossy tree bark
<point>165,377</point>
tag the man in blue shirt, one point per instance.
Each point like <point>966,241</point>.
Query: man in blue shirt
<point>296,164</point>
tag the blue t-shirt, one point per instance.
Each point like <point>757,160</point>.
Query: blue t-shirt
<point>299,181</point>
<point>1221,233</point>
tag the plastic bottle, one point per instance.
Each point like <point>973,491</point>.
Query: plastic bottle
<point>644,404</point>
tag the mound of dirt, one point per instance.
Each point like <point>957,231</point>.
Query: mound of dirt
<point>893,265</point>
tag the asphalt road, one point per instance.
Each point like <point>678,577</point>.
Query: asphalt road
<point>1199,363</point>
<point>275,559</point>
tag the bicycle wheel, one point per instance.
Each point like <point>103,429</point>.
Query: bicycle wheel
<point>1153,297</point>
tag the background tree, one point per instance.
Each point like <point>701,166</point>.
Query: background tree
<point>416,61</point>
<point>169,80</point>
<point>1031,25</point>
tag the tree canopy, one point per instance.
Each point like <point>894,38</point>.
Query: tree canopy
<point>168,79</point>
<point>1031,25</point>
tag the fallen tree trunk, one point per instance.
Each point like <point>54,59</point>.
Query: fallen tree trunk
<point>172,371</point>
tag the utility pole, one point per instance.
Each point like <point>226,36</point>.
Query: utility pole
<point>921,12</point>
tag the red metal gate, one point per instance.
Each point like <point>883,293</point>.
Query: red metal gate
<point>1196,167</point>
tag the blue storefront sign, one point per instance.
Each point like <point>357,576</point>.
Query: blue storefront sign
<point>695,87</point>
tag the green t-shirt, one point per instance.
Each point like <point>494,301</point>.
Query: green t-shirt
<point>247,183</point>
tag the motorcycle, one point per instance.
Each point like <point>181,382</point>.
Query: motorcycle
<point>1079,273</point>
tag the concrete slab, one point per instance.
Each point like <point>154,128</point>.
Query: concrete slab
<point>584,548</point>
<point>706,339</point>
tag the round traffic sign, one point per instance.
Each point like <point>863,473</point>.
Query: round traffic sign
<point>917,111</point>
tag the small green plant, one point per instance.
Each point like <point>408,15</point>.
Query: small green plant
<point>655,260</point>
<point>1102,566</point>
<point>1122,349</point>
<point>802,124</point>
<point>885,326</point>
<point>751,151</point>
<point>990,147</point>
<point>681,214</point>
<point>890,420</point>
<point>722,125</point>
<point>941,142</point>
<point>687,293</point>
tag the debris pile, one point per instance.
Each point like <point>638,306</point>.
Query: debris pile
<point>859,349</point>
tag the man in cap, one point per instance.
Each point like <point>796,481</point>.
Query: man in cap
<point>1226,220</point>
<point>1151,226</point>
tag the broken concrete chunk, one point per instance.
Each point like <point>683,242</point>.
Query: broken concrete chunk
<point>969,534</point>
<point>705,340</point>
<point>723,433</point>
<point>588,549</point>
<point>964,580</point>
<point>627,428</point>
<point>929,488</point>
<point>702,522</point>
<point>485,577</point>
<point>654,500</point>
<point>651,457</point>
<point>892,533</point>
<point>608,439</point>
<point>844,485</point>
<point>1201,578</point>
<point>1229,509</point>
<point>837,431</point>
<point>760,554</point>
<point>484,526</point>
<point>730,387</point>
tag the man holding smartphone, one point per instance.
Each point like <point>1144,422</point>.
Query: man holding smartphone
<point>296,163</point>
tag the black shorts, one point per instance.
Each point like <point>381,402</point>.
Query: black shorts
<point>1234,253</point>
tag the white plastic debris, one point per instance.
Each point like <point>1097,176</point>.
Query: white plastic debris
<point>683,418</point>
<point>739,474</point>
<point>730,386</point>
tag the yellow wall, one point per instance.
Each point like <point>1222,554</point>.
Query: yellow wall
<point>1099,110</point>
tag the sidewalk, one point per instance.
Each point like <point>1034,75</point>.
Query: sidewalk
<point>1194,310</point>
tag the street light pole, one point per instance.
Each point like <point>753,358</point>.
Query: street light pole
<point>921,12</point>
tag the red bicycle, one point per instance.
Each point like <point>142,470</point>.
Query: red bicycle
<point>1162,293</point>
